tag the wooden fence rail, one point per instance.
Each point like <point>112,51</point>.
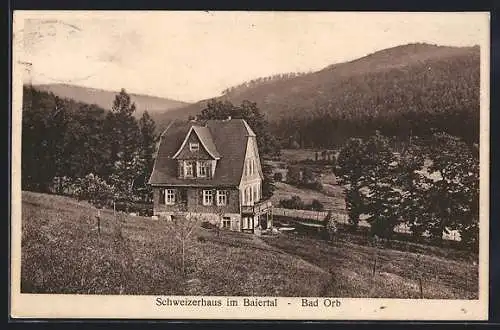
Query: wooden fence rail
<point>315,217</point>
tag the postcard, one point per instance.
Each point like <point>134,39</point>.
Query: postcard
<point>250,165</point>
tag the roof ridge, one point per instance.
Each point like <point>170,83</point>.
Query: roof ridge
<point>168,126</point>
<point>248,128</point>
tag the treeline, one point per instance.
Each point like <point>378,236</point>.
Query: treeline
<point>76,148</point>
<point>262,80</point>
<point>408,89</point>
<point>415,87</point>
<point>431,187</point>
<point>331,130</point>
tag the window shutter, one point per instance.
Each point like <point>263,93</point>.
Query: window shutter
<point>161,196</point>
<point>214,196</point>
<point>183,195</point>
<point>180,169</point>
<point>200,196</point>
<point>228,192</point>
<point>208,166</point>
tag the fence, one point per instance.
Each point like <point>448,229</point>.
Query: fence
<point>313,217</point>
<point>310,215</point>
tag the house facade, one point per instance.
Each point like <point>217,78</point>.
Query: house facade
<point>211,169</point>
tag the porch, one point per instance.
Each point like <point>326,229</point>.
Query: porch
<point>258,216</point>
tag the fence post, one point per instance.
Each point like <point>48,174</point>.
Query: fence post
<point>98,222</point>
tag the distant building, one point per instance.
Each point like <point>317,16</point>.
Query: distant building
<point>211,169</point>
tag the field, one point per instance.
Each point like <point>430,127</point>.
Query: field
<point>63,252</point>
<point>285,191</point>
<point>331,194</point>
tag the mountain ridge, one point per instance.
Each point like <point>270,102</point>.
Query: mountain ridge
<point>104,98</point>
<point>401,66</point>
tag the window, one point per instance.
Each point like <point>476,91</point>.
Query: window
<point>208,198</point>
<point>203,168</point>
<point>255,194</point>
<point>170,196</point>
<point>221,197</point>
<point>251,166</point>
<point>194,146</point>
<point>188,169</point>
<point>247,195</point>
<point>246,223</point>
<point>226,222</point>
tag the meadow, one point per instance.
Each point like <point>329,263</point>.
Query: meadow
<point>64,251</point>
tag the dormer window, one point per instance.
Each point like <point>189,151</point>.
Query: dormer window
<point>194,146</point>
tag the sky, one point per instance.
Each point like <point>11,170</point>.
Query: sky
<point>190,56</point>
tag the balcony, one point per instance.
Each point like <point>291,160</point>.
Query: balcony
<point>257,209</point>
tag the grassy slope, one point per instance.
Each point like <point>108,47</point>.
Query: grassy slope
<point>444,275</point>
<point>61,252</point>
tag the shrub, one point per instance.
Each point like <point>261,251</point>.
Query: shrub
<point>316,205</point>
<point>293,203</point>
<point>331,227</point>
<point>314,185</point>
<point>93,189</point>
<point>294,175</point>
<point>278,176</point>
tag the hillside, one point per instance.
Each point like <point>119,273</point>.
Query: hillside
<point>104,98</point>
<point>63,252</point>
<point>415,78</point>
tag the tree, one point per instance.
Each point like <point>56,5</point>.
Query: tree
<point>369,171</point>
<point>149,138</point>
<point>181,230</point>
<point>268,186</point>
<point>455,196</point>
<point>147,128</point>
<point>330,223</point>
<point>308,176</point>
<point>382,196</point>
<point>126,170</point>
<point>122,128</point>
<point>415,189</point>
<point>349,171</point>
<point>294,175</point>
<point>316,205</point>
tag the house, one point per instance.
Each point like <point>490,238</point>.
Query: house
<point>211,169</point>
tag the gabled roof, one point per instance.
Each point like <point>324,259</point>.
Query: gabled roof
<point>227,138</point>
<point>205,138</point>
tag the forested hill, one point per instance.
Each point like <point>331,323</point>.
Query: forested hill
<point>415,87</point>
<point>104,98</point>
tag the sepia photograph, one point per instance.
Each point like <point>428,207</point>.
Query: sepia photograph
<point>313,165</point>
